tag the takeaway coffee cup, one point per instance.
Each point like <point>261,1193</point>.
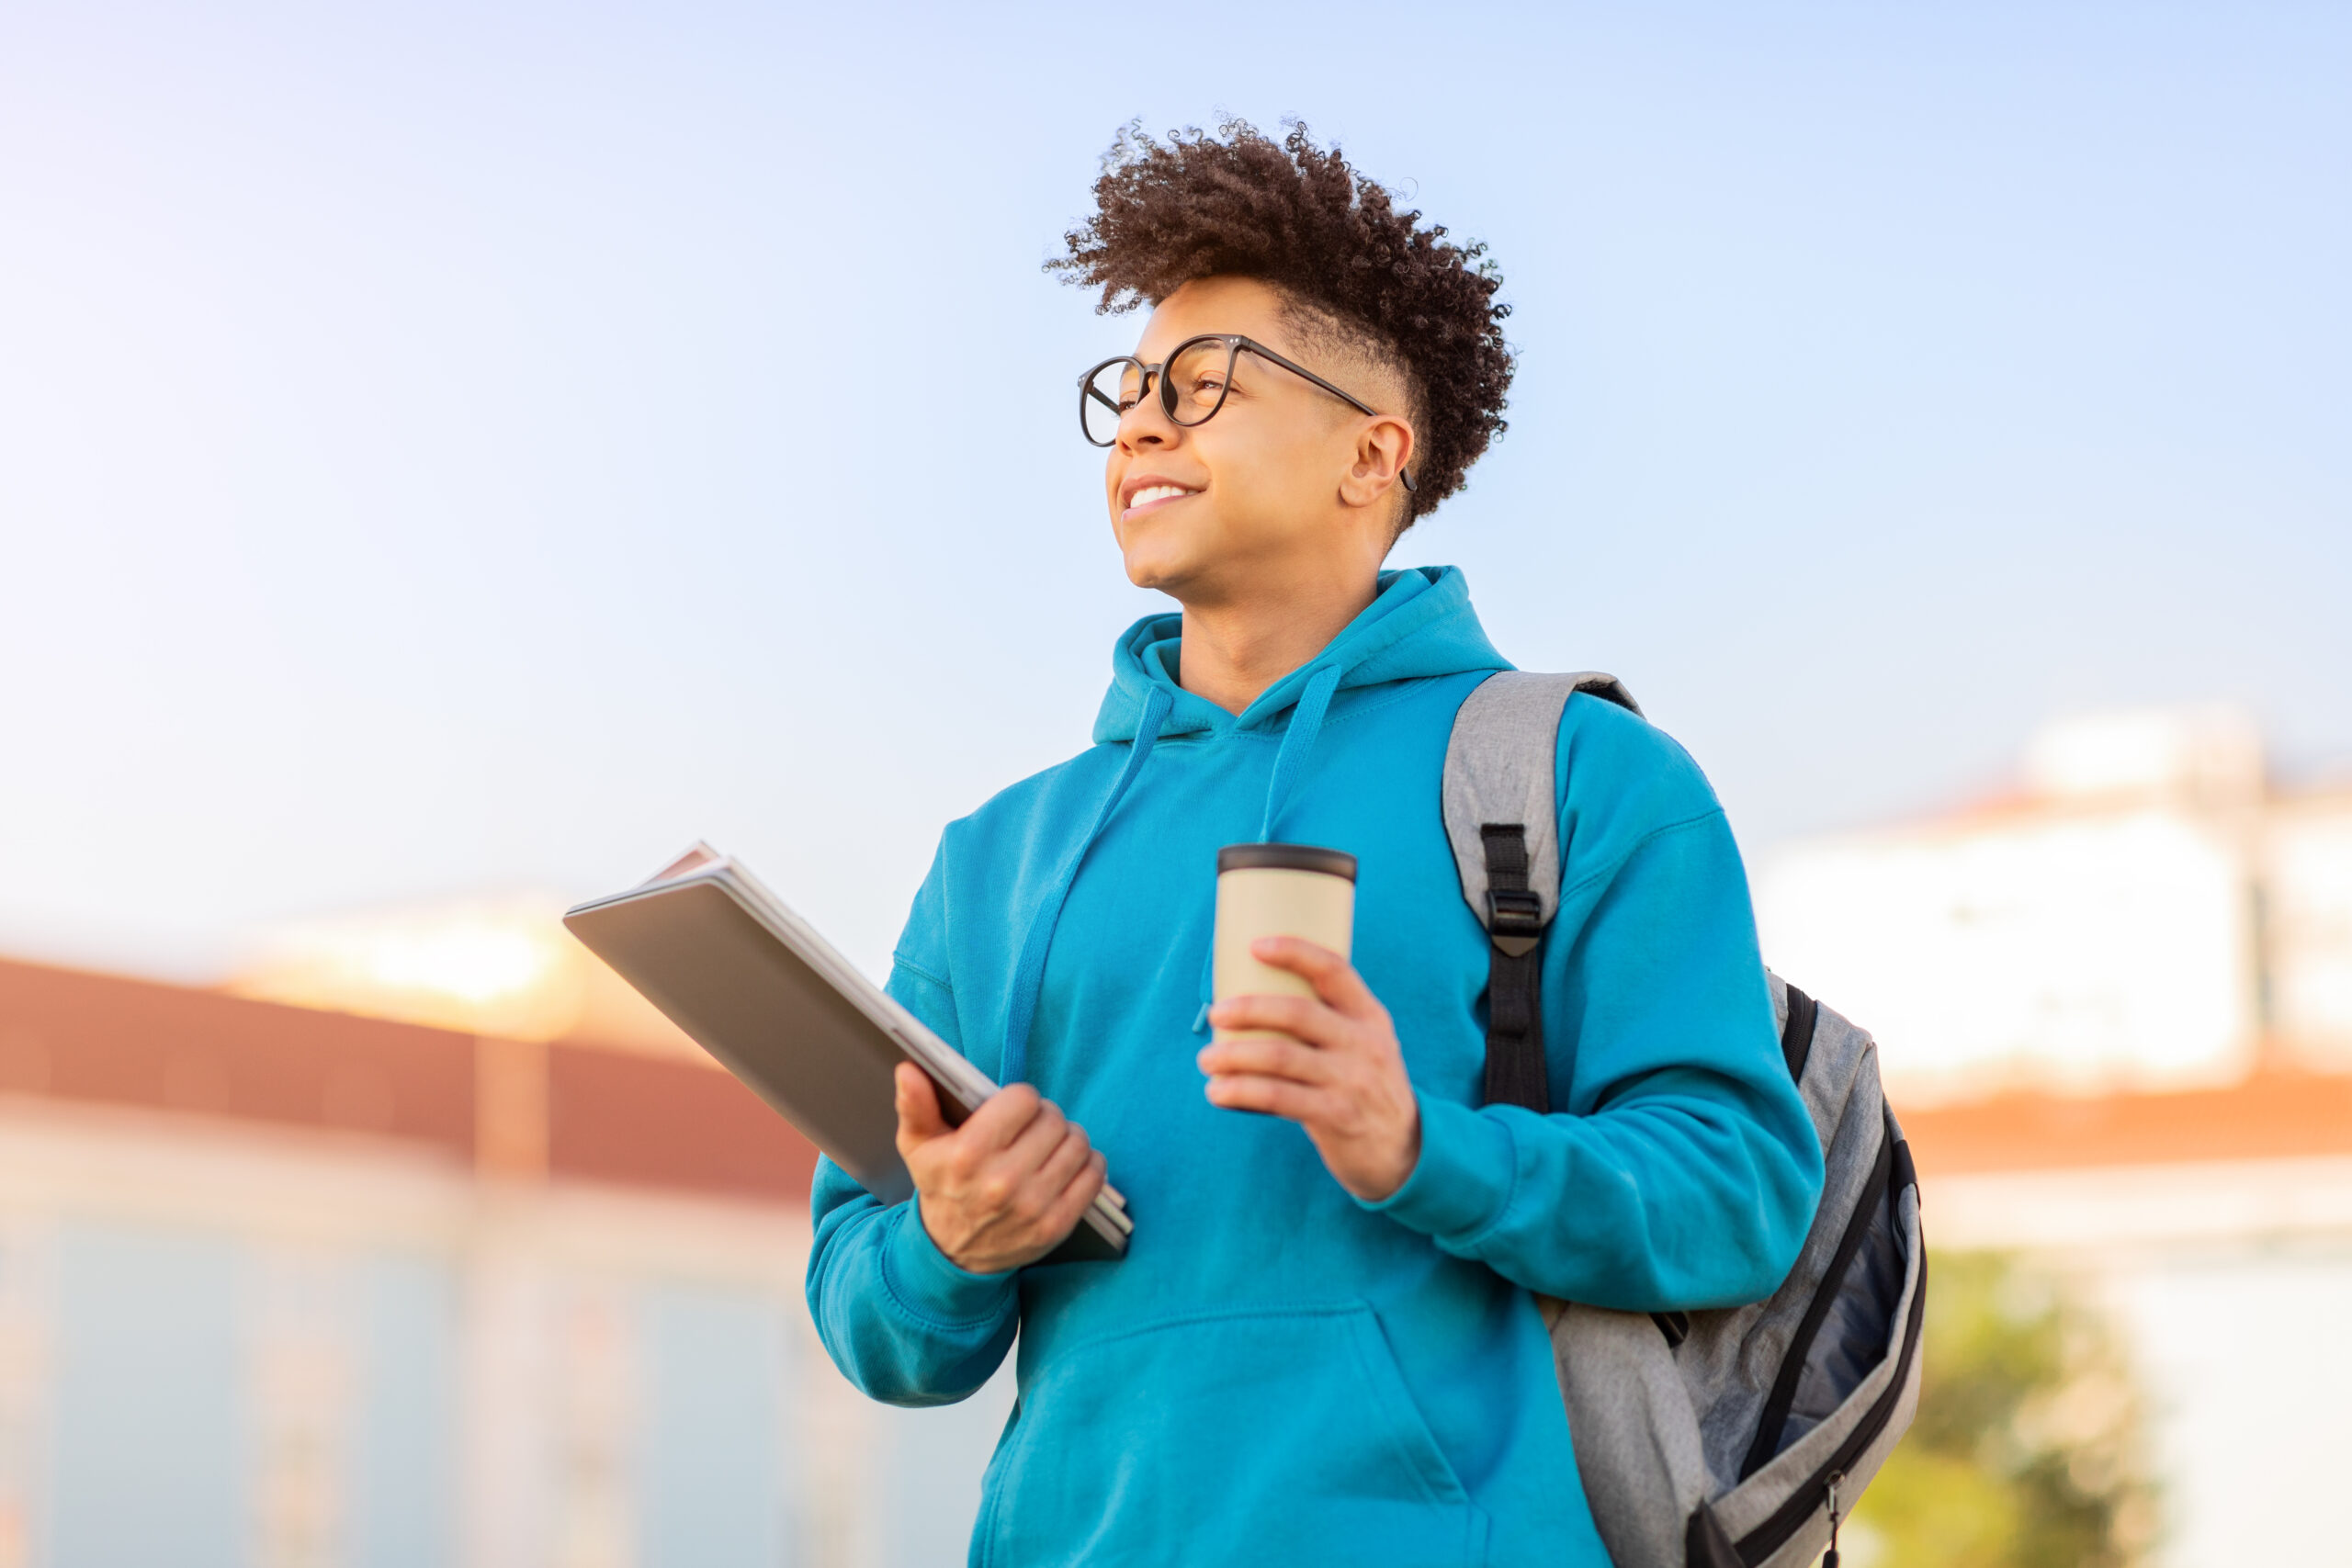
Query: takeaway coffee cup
<point>1277,890</point>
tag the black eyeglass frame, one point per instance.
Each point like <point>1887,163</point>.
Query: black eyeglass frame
<point>1233,344</point>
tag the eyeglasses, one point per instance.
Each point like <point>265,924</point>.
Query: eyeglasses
<point>1193,382</point>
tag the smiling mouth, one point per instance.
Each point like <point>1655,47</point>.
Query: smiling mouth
<point>1155,495</point>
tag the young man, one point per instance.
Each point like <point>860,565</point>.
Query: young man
<point>1323,1345</point>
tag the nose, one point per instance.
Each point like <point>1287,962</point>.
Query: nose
<point>1146,425</point>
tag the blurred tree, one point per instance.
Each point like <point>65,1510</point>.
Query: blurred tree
<point>2025,1451</point>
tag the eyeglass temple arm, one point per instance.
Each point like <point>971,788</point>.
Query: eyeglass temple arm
<point>1254,346</point>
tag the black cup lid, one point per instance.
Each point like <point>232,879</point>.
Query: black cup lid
<point>1286,857</point>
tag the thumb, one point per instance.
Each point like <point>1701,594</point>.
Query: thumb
<point>918,1106</point>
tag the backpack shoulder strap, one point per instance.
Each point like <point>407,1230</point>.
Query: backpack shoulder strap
<point>1503,821</point>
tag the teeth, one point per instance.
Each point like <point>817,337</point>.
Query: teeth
<point>1151,493</point>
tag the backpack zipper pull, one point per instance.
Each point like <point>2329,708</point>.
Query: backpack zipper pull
<point>1829,1558</point>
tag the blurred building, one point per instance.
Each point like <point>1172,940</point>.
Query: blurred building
<point>2143,913</point>
<point>2115,1012</point>
<point>294,1289</point>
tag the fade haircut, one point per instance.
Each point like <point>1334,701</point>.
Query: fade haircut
<point>1355,274</point>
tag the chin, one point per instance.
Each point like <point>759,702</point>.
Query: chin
<point>1156,561</point>
<point>1151,569</point>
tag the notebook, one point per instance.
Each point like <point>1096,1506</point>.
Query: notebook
<point>755,986</point>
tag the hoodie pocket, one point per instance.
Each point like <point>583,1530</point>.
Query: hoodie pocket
<point>1281,1434</point>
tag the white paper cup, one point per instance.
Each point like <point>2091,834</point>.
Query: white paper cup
<point>1277,890</point>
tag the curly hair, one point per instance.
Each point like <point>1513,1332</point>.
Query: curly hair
<point>1351,268</point>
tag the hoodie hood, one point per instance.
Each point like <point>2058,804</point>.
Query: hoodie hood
<point>1420,624</point>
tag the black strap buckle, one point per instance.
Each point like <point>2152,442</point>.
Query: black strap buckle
<point>1513,912</point>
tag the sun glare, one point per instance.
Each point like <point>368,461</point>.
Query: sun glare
<point>503,968</point>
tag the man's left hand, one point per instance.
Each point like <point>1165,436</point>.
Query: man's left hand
<point>1340,1074</point>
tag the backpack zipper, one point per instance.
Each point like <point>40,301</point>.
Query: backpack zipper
<point>1775,1417</point>
<point>1768,1538</point>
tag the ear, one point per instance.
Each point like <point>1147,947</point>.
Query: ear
<point>1383,451</point>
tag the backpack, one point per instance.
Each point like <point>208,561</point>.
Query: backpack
<point>1738,1436</point>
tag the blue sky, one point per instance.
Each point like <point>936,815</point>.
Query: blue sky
<point>448,448</point>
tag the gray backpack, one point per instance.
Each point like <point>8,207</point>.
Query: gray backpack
<point>1735,1437</point>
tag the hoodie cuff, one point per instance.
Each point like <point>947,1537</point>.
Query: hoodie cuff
<point>1463,1179</point>
<point>930,1287</point>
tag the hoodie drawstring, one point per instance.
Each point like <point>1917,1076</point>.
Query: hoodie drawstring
<point>1298,743</point>
<point>1029,974</point>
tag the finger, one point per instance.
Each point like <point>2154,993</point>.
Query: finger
<point>1302,1017</point>
<point>1001,1117</point>
<point>1071,1206</point>
<point>1272,1097</point>
<point>1271,1058</point>
<point>1065,1165</point>
<point>917,1107</point>
<point>1035,1143</point>
<point>1331,976</point>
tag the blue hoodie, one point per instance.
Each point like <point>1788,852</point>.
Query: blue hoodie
<point>1277,1372</point>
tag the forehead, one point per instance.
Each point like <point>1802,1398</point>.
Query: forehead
<point>1240,305</point>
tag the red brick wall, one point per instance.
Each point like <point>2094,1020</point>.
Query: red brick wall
<point>2272,1116</point>
<point>639,1120</point>
<point>101,1039</point>
<point>649,1121</point>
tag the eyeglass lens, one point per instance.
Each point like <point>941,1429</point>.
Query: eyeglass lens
<point>1196,384</point>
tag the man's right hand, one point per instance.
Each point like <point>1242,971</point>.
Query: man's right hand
<point>1003,1189</point>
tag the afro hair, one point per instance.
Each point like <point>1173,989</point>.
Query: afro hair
<point>1349,264</point>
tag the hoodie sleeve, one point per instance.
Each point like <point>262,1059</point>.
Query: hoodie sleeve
<point>1679,1168</point>
<point>901,1322</point>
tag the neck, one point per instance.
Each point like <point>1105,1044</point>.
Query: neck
<point>1235,648</point>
